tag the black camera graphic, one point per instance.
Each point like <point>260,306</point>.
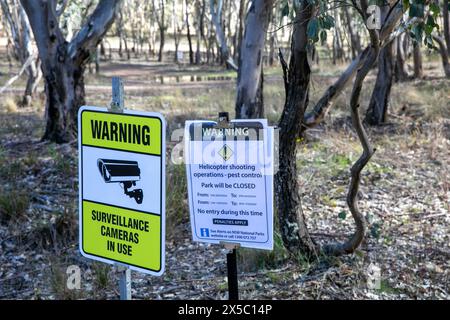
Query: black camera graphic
<point>122,171</point>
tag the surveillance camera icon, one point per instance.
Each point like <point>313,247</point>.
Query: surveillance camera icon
<point>124,172</point>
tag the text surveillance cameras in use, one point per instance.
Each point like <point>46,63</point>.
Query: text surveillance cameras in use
<point>122,171</point>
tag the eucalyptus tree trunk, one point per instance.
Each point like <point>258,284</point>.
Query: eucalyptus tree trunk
<point>446,14</point>
<point>198,31</point>
<point>338,49</point>
<point>418,66</point>
<point>176,29</point>
<point>444,55</point>
<point>272,40</point>
<point>189,37</point>
<point>297,81</point>
<point>355,240</point>
<point>160,20</point>
<point>355,41</point>
<point>240,31</point>
<point>19,26</point>
<point>401,74</point>
<point>249,102</point>
<point>379,103</point>
<point>220,35</point>
<point>63,63</point>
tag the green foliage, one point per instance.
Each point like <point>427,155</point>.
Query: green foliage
<point>317,27</point>
<point>417,8</point>
<point>422,32</point>
<point>342,215</point>
<point>375,230</point>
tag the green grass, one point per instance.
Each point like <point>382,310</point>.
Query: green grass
<point>65,164</point>
<point>385,287</point>
<point>176,195</point>
<point>13,205</point>
<point>253,260</point>
<point>101,276</point>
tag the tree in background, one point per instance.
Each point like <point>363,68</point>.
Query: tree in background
<point>20,30</point>
<point>216,13</point>
<point>63,63</point>
<point>376,113</point>
<point>296,81</point>
<point>159,12</point>
<point>249,102</point>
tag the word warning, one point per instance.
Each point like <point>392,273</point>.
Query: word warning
<point>230,182</point>
<point>122,188</point>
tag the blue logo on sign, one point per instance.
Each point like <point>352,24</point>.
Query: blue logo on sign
<point>204,232</point>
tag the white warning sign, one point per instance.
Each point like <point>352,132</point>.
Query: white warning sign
<point>230,182</point>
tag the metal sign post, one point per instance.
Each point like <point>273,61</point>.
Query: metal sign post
<point>233,287</point>
<point>117,106</point>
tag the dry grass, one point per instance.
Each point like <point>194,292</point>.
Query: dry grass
<point>13,205</point>
<point>10,105</point>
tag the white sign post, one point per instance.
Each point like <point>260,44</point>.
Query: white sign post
<point>230,182</point>
<point>229,169</point>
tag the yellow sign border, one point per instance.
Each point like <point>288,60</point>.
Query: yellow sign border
<point>161,154</point>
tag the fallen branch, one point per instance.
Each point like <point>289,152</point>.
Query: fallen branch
<point>27,63</point>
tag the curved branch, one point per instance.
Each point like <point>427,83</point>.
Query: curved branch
<point>355,240</point>
<point>444,55</point>
<point>93,30</point>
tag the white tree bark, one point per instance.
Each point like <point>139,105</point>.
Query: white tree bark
<point>23,47</point>
<point>249,102</point>
<point>220,35</point>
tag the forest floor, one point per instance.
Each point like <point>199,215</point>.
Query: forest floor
<point>405,195</point>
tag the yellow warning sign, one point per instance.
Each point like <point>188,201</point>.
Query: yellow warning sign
<point>121,131</point>
<point>122,188</point>
<point>226,152</point>
<point>122,235</point>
